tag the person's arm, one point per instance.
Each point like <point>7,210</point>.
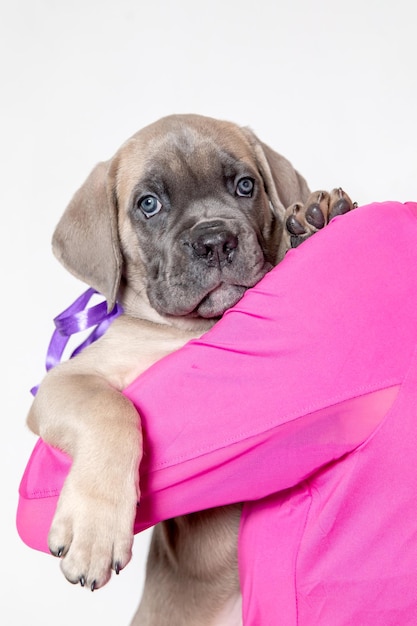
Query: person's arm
<point>296,375</point>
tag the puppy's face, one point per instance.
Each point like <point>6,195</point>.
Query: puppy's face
<point>195,221</point>
<point>182,220</point>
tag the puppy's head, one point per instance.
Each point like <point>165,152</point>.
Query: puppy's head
<point>185,217</point>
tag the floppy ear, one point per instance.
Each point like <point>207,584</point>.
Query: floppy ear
<point>86,238</point>
<point>284,185</point>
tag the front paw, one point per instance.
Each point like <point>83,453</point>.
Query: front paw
<point>301,221</point>
<point>92,531</point>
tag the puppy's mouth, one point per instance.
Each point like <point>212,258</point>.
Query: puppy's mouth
<point>215,303</point>
<point>223,297</point>
<point>208,294</point>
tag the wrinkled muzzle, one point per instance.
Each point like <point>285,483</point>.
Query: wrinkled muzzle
<point>208,269</point>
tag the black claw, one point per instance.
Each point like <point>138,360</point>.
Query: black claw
<point>314,216</point>
<point>293,226</point>
<point>82,581</point>
<point>117,567</point>
<point>93,585</point>
<point>60,551</point>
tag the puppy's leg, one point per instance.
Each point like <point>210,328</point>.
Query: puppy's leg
<point>303,220</point>
<point>192,571</point>
<point>92,527</point>
<point>80,409</point>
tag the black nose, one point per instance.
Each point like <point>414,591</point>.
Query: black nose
<point>214,244</point>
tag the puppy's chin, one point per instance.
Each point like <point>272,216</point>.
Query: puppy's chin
<point>219,300</point>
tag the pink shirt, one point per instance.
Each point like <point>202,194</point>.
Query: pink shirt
<point>301,402</point>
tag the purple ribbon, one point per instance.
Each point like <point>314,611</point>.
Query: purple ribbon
<point>76,318</point>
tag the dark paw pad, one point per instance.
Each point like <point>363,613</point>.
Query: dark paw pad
<point>301,221</point>
<point>314,216</point>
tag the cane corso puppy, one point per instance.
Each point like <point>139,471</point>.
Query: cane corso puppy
<point>189,214</point>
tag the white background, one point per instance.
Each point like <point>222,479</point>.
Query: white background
<point>330,84</point>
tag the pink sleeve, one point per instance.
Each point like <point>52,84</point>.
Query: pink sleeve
<point>296,375</point>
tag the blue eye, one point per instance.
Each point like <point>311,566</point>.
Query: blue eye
<point>245,187</point>
<point>149,205</point>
